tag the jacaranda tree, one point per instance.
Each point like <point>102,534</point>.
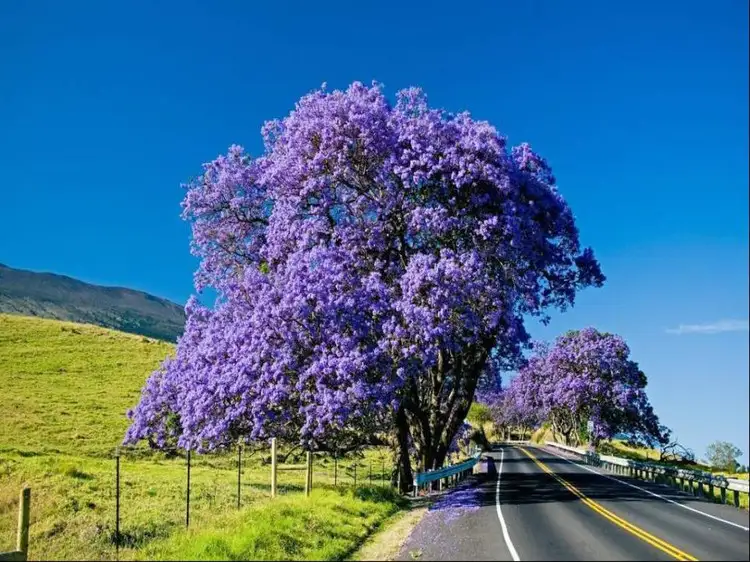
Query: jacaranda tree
<point>371,265</point>
<point>587,376</point>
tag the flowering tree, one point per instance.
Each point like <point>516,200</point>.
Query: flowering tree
<point>508,410</point>
<point>370,267</point>
<point>589,376</point>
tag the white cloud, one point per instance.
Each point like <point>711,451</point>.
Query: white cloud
<point>711,328</point>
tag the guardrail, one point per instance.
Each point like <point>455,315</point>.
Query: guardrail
<point>453,472</point>
<point>681,478</point>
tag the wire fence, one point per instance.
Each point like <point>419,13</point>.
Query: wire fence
<point>183,487</point>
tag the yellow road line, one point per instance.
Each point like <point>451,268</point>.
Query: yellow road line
<point>619,521</point>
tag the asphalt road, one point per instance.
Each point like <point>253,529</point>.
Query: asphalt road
<point>533,504</point>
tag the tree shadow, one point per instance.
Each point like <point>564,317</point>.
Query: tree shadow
<point>519,485</point>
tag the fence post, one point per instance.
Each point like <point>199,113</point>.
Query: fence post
<point>239,474</point>
<point>117,503</point>
<point>273,467</point>
<point>24,510</point>
<point>308,474</point>
<point>187,495</point>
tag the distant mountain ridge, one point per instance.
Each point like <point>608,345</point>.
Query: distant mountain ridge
<point>49,295</point>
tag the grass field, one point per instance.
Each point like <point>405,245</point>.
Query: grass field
<point>66,388</point>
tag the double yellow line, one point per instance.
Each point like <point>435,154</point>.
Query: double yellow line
<point>619,521</point>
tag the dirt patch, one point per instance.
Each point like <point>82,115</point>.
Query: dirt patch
<point>386,543</point>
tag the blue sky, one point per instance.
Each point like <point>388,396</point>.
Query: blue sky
<point>640,107</point>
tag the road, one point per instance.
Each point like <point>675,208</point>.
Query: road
<point>534,504</point>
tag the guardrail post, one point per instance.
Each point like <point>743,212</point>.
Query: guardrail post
<point>723,495</point>
<point>711,490</point>
<point>736,498</point>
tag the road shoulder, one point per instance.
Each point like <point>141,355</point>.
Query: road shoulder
<point>386,543</point>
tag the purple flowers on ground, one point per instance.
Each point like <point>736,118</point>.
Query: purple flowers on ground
<point>371,266</point>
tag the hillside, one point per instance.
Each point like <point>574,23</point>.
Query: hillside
<point>48,295</point>
<point>66,388</point>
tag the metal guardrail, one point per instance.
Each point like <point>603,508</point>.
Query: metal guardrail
<point>455,472</point>
<point>660,473</point>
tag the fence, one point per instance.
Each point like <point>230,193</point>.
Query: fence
<point>22,542</point>
<point>213,482</point>
<point>686,480</point>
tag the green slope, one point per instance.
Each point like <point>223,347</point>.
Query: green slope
<point>67,386</point>
<point>65,390</point>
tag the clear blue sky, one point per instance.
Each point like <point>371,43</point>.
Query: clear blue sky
<point>640,107</point>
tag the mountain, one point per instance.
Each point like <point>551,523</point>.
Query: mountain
<point>48,295</point>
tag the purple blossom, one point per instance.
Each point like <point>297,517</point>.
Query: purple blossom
<point>375,260</point>
<point>587,376</point>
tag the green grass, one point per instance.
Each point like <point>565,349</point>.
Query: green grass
<point>66,388</point>
<point>327,526</point>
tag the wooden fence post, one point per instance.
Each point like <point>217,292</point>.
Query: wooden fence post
<point>117,503</point>
<point>308,474</point>
<point>24,511</point>
<point>239,474</point>
<point>273,467</point>
<point>187,493</point>
<point>335,470</point>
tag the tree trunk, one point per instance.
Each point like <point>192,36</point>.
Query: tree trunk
<point>435,403</point>
<point>403,463</point>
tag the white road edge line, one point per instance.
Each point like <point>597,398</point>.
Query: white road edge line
<point>506,536</point>
<point>650,493</point>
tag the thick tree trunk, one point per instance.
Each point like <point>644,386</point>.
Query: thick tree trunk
<point>405,476</point>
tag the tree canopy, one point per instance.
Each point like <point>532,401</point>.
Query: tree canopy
<point>723,455</point>
<point>371,266</point>
<point>587,375</point>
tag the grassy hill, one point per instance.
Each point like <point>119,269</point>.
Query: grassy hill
<point>47,295</point>
<point>66,388</point>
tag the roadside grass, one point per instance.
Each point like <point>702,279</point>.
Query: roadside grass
<point>329,525</point>
<point>66,388</point>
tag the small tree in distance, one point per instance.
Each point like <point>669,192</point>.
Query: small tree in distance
<point>723,455</point>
